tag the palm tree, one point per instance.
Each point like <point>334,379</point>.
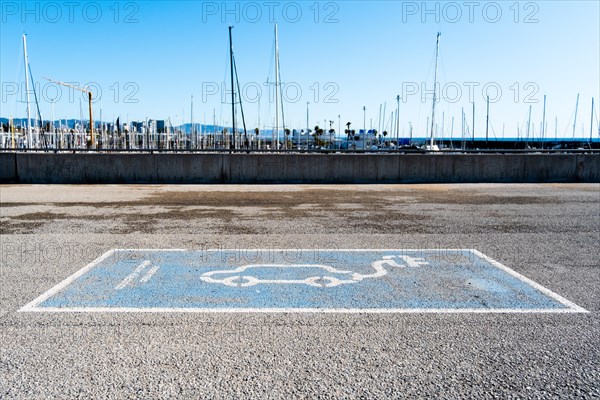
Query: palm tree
<point>352,133</point>
<point>331,135</point>
<point>318,132</point>
<point>287,134</point>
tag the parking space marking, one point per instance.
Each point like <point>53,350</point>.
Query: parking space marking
<point>150,274</point>
<point>129,278</point>
<point>299,281</point>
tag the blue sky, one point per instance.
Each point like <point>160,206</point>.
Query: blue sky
<point>147,58</point>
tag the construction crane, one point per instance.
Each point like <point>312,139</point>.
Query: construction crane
<point>90,103</point>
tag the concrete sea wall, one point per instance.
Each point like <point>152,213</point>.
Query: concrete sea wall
<point>184,168</point>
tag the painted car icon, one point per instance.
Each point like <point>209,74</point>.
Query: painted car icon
<point>324,276</point>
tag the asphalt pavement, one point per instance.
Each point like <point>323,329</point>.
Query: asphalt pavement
<point>549,233</point>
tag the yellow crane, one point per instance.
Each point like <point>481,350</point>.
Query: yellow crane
<point>90,103</point>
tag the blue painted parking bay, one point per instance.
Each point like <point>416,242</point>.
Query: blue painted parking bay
<point>392,281</point>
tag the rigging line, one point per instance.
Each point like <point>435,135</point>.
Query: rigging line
<point>269,83</point>
<point>239,95</point>
<point>569,125</point>
<point>430,66</point>
<point>281,96</point>
<point>37,104</point>
<point>524,122</point>
<point>443,68</point>
<point>35,95</point>
<point>520,129</point>
<point>418,122</point>
<point>221,123</point>
<point>270,63</point>
<point>493,131</point>
<point>18,76</point>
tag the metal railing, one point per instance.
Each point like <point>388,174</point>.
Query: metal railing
<point>301,151</point>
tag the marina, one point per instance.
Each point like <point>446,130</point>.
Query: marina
<point>150,134</point>
<point>299,200</point>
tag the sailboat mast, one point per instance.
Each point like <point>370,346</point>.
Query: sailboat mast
<point>592,120</point>
<point>442,131</point>
<point>92,140</point>
<point>437,48</point>
<point>575,121</point>
<point>462,128</point>
<point>543,123</point>
<point>232,85</point>
<point>451,133</point>
<point>384,121</point>
<point>214,138</point>
<point>101,124</point>
<point>193,133</point>
<point>276,133</point>
<point>528,125</point>
<point>398,119</point>
<point>308,126</point>
<point>487,120</point>
<point>29,133</point>
<point>379,122</point>
<point>473,127</point>
<point>54,128</point>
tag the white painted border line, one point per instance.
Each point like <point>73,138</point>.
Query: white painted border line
<point>305,310</point>
<point>536,285</point>
<point>32,306</point>
<point>571,307</point>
